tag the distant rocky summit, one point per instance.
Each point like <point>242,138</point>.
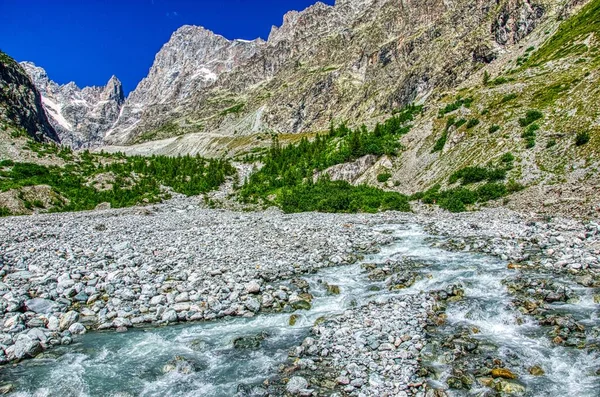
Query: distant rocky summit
<point>81,117</point>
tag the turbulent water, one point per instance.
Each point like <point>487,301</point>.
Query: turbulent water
<point>102,364</point>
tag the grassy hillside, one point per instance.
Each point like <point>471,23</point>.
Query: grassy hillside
<point>57,179</point>
<point>529,119</point>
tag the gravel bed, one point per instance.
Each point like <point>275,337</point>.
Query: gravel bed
<point>63,274</point>
<point>66,274</point>
<point>370,351</point>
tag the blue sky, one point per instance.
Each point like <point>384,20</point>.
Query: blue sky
<point>87,41</point>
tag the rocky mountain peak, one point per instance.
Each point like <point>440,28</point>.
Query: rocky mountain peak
<point>113,91</point>
<point>191,61</point>
<point>81,116</point>
<point>294,22</point>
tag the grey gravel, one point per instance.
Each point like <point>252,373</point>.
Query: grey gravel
<point>63,274</point>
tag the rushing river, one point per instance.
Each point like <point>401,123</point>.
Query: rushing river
<point>131,363</point>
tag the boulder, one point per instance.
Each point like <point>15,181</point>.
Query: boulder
<point>24,347</point>
<point>503,373</point>
<point>296,385</point>
<point>68,319</point>
<point>181,365</point>
<point>249,342</point>
<point>41,306</point>
<point>77,329</point>
<point>253,287</point>
<point>170,316</point>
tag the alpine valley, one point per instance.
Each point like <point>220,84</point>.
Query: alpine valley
<point>383,198</point>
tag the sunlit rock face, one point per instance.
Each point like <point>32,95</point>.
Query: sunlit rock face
<point>80,116</point>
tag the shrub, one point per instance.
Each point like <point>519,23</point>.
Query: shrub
<point>530,142</point>
<point>507,158</point>
<point>451,107</point>
<point>4,212</point>
<point>486,78</point>
<point>551,143</point>
<point>472,123</point>
<point>459,123</point>
<point>529,135</point>
<point>469,175</point>
<point>440,143</point>
<point>508,97</point>
<point>530,117</point>
<point>491,191</point>
<point>582,138</point>
<point>339,196</point>
<point>496,174</point>
<point>494,128</point>
<point>7,163</point>
<point>384,177</point>
<point>513,186</point>
<point>453,204</point>
<point>499,81</point>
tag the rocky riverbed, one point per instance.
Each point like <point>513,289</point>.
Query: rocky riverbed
<point>68,274</point>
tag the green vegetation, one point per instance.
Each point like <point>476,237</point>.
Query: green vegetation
<point>6,59</point>
<point>441,142</point>
<point>486,78</point>
<point>582,138</point>
<point>451,107</point>
<point>530,117</point>
<point>457,199</point>
<point>508,97</point>
<point>339,196</point>
<point>18,133</point>
<point>529,135</point>
<point>507,158</point>
<point>494,128</point>
<point>499,81</point>
<point>4,212</point>
<point>121,181</point>
<point>459,123</point>
<point>551,143</point>
<point>235,109</point>
<point>566,41</point>
<point>384,177</point>
<point>470,175</point>
<point>472,123</point>
<point>287,177</point>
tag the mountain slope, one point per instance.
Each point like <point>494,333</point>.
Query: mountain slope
<point>354,61</point>
<point>530,118</point>
<point>21,103</point>
<point>80,116</point>
<point>189,63</point>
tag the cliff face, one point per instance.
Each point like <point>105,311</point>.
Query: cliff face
<point>21,103</point>
<point>80,116</point>
<point>352,61</point>
<point>190,63</point>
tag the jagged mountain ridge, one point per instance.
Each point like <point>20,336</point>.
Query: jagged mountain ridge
<point>21,103</point>
<point>352,61</point>
<point>191,61</point>
<point>81,117</point>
